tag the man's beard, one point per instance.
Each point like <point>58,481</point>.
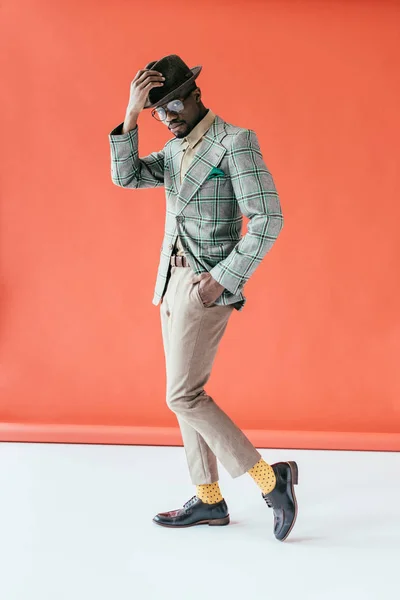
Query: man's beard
<point>180,134</point>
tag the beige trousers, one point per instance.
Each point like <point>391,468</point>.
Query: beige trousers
<point>191,335</point>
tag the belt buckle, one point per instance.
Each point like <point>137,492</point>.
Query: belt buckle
<point>174,261</point>
<point>177,260</point>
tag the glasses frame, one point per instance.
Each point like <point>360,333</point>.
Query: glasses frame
<point>181,99</point>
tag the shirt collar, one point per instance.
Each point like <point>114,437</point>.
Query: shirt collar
<point>199,130</point>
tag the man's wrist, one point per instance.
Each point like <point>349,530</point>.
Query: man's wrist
<point>130,121</point>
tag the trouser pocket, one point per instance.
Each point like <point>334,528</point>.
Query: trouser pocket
<point>197,293</point>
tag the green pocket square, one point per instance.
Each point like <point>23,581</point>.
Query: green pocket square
<point>216,173</point>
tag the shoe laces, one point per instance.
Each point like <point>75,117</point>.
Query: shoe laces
<point>190,502</point>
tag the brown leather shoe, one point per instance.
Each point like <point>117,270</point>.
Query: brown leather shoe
<point>195,512</point>
<point>282,499</point>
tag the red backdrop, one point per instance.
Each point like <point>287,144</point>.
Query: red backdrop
<point>313,359</point>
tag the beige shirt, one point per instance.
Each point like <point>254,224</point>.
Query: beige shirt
<point>190,145</point>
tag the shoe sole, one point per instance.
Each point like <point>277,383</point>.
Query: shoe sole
<point>294,470</point>
<point>212,523</point>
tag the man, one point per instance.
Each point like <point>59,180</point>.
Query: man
<point>213,173</point>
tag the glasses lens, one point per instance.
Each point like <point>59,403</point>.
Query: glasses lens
<point>175,106</point>
<point>160,114</point>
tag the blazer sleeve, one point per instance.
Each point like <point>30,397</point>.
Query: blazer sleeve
<point>258,200</point>
<point>127,169</point>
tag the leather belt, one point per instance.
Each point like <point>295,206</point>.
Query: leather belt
<point>179,261</point>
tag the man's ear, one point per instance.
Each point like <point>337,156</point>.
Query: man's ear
<point>197,94</point>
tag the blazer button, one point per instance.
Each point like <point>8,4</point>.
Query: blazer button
<point>179,219</point>
<point>170,246</point>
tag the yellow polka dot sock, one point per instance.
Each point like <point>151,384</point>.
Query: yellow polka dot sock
<point>264,476</point>
<point>209,493</point>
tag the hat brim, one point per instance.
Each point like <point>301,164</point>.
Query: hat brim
<point>177,91</point>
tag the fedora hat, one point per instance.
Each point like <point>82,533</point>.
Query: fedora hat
<point>178,79</point>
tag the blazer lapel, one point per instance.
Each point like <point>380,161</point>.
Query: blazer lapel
<point>209,155</point>
<point>175,165</point>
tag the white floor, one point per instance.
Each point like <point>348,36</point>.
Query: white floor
<point>75,524</point>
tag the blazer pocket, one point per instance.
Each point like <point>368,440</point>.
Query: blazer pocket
<point>214,250</point>
<point>215,182</point>
<point>220,250</point>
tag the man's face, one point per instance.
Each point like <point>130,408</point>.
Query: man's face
<point>182,123</point>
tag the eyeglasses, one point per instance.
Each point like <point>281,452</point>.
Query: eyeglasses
<point>160,113</point>
<point>175,106</point>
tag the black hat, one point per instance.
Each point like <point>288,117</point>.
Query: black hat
<point>178,79</point>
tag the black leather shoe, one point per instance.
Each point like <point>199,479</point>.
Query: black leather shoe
<point>282,499</point>
<point>195,512</point>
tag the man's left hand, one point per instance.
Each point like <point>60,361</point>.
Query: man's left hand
<point>209,289</point>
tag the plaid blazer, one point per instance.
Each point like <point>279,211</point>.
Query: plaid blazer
<point>226,180</point>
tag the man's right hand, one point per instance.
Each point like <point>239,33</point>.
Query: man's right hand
<point>141,85</point>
